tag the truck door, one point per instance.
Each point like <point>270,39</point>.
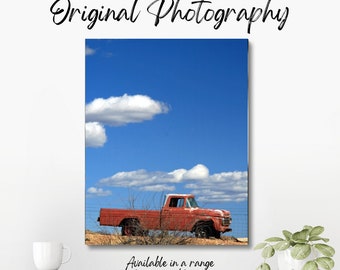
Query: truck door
<point>175,216</point>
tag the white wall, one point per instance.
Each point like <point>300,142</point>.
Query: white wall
<point>294,131</point>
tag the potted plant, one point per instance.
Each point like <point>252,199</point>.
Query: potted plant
<point>302,250</point>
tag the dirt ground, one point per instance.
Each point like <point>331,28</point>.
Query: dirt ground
<point>96,238</point>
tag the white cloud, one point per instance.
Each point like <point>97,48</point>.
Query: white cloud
<point>178,174</point>
<point>93,191</point>
<point>95,135</point>
<point>139,179</point>
<point>224,186</point>
<point>117,111</point>
<point>221,187</point>
<point>198,172</point>
<point>209,197</point>
<point>89,51</point>
<point>158,188</point>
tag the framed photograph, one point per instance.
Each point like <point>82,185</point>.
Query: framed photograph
<point>166,142</point>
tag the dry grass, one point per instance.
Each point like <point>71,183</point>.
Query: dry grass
<point>96,238</point>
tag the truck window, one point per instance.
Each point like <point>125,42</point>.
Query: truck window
<point>191,203</point>
<point>176,202</point>
<point>180,202</point>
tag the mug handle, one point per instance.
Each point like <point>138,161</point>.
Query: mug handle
<point>68,255</point>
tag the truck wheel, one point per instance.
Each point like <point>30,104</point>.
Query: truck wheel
<point>203,231</point>
<point>127,229</point>
<point>131,228</point>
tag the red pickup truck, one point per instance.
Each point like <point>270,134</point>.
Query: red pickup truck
<point>180,212</point>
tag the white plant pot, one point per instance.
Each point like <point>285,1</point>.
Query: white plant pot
<point>286,262</point>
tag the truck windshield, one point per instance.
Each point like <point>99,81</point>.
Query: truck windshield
<point>191,203</point>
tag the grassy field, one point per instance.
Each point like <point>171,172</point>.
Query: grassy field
<point>97,238</point>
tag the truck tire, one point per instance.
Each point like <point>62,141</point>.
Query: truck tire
<point>127,229</point>
<point>131,227</point>
<point>203,230</point>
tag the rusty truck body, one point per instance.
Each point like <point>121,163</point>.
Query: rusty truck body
<point>180,212</point>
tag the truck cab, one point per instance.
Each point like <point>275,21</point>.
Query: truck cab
<point>181,212</point>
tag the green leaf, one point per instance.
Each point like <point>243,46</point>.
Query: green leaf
<point>307,227</point>
<point>268,252</point>
<point>260,246</point>
<point>325,262</point>
<point>317,231</point>
<point>318,238</point>
<point>287,235</point>
<point>325,249</point>
<point>300,237</point>
<point>301,251</point>
<point>311,265</point>
<point>274,239</point>
<point>263,266</point>
<point>282,245</point>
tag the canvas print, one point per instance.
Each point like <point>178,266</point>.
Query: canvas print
<point>166,137</point>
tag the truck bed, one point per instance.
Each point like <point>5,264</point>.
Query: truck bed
<point>115,217</point>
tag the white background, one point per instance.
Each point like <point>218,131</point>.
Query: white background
<point>294,129</point>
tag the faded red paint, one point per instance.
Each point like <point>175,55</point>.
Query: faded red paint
<point>179,213</point>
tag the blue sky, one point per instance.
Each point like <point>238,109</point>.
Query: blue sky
<point>167,116</point>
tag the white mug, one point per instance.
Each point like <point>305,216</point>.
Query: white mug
<point>50,255</point>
